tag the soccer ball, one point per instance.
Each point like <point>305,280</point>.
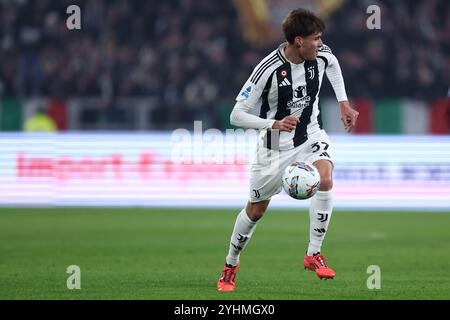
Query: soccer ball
<point>301,180</point>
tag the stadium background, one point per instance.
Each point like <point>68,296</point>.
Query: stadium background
<point>117,90</point>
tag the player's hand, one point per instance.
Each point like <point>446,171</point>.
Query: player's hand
<point>348,116</point>
<point>287,124</point>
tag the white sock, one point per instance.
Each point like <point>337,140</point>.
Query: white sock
<point>319,218</point>
<point>242,232</point>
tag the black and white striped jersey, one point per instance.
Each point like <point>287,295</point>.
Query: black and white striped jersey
<point>280,88</point>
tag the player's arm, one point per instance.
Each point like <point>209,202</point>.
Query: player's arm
<point>241,117</point>
<point>334,74</point>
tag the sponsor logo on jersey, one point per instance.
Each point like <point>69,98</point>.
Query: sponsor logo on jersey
<point>302,100</point>
<point>300,92</point>
<point>299,104</point>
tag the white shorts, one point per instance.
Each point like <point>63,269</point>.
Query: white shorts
<point>268,166</point>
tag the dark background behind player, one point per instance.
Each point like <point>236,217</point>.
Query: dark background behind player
<point>146,65</point>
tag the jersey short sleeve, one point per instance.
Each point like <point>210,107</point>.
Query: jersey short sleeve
<point>250,94</point>
<point>253,88</point>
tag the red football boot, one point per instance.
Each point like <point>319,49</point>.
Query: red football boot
<point>226,282</point>
<point>317,263</point>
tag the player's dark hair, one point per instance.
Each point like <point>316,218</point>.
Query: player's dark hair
<point>301,22</point>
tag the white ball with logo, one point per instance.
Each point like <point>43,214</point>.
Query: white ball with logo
<point>301,180</point>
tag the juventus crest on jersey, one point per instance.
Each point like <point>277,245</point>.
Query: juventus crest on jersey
<point>281,88</point>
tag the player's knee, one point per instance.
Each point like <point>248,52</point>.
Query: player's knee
<point>255,211</point>
<point>326,183</point>
<point>255,215</point>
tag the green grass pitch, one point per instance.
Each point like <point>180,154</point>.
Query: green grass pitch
<point>178,254</point>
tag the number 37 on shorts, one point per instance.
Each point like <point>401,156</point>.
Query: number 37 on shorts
<point>322,147</point>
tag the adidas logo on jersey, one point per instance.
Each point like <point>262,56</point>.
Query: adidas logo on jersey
<point>284,83</point>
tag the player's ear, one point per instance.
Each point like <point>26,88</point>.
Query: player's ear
<point>298,41</point>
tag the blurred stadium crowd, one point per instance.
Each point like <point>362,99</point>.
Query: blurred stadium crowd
<point>193,57</point>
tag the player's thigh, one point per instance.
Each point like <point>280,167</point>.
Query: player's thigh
<point>264,184</point>
<point>318,147</point>
<point>266,173</point>
<point>318,150</point>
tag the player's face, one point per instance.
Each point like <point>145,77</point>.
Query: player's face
<point>309,46</point>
